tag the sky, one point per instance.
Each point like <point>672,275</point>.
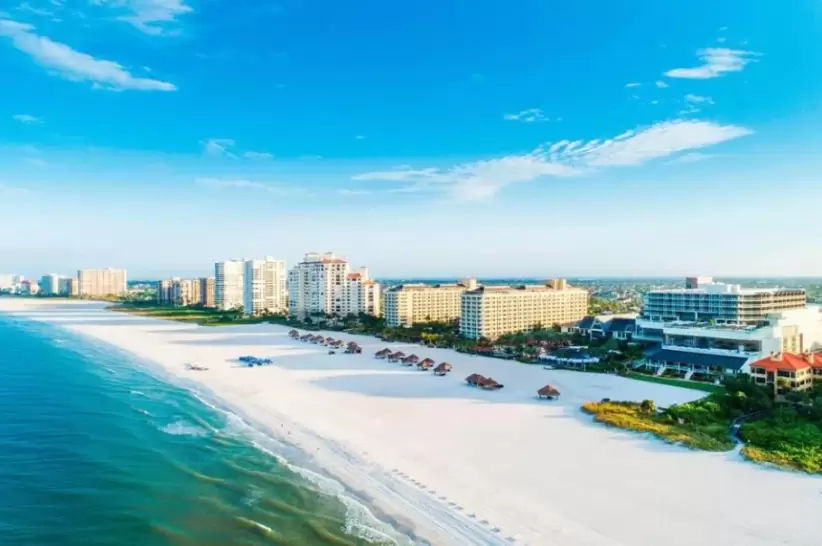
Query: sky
<point>433,138</point>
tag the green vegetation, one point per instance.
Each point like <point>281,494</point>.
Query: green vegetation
<point>786,434</point>
<point>674,382</point>
<point>205,316</point>
<point>643,417</point>
<point>599,306</point>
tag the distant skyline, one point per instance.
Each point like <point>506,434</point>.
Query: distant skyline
<point>455,139</point>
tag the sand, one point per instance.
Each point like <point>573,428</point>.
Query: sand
<point>457,465</point>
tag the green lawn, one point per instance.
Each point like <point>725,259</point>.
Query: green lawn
<point>695,385</point>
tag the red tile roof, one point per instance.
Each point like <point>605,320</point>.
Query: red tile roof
<point>787,361</point>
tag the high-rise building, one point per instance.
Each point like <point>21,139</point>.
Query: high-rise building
<point>101,282</point>
<point>696,282</point>
<point>408,304</point>
<point>265,287</point>
<point>185,291</point>
<point>362,295</point>
<point>68,287</point>
<point>492,311</point>
<point>165,294</point>
<point>321,285</point>
<point>50,285</point>
<point>6,281</point>
<point>228,284</point>
<point>207,291</point>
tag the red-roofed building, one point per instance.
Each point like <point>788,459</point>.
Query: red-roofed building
<point>785,372</point>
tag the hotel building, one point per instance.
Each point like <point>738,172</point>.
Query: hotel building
<point>719,328</point>
<point>206,291</point>
<point>785,372</point>
<point>178,291</point>
<point>101,282</point>
<point>165,294</point>
<point>264,287</point>
<point>409,304</point>
<point>228,284</point>
<point>492,311</point>
<point>322,284</point>
<point>68,287</point>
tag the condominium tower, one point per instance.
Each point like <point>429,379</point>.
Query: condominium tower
<point>206,291</point>
<point>265,287</point>
<point>228,284</point>
<point>101,282</point>
<point>50,285</point>
<point>322,284</point>
<point>492,311</point>
<point>408,304</point>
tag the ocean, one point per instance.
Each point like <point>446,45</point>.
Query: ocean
<point>96,450</point>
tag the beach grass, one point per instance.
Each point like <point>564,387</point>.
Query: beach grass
<point>696,385</point>
<point>709,436</point>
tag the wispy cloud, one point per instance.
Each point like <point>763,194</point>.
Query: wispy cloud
<point>218,147</point>
<point>27,119</point>
<point>529,115</point>
<point>691,157</point>
<point>698,99</point>
<point>694,103</point>
<point>661,84</point>
<point>28,8</point>
<point>241,184</point>
<point>150,16</point>
<point>632,84</point>
<point>70,64</point>
<point>715,62</point>
<point>258,155</point>
<point>483,179</point>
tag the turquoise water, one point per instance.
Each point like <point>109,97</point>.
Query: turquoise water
<point>95,450</point>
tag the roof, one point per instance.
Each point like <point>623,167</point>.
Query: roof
<point>587,323</point>
<point>621,325</point>
<point>729,362</point>
<point>789,361</point>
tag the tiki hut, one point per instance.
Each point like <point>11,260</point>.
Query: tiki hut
<point>425,365</point>
<point>396,357</point>
<point>442,369</point>
<point>475,379</point>
<point>305,337</point>
<point>382,354</point>
<point>549,392</point>
<point>410,360</point>
<point>293,334</point>
<point>318,339</point>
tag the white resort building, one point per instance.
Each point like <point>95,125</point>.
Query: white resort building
<point>492,311</point>
<point>716,328</point>
<point>323,284</point>
<point>228,284</point>
<point>265,287</point>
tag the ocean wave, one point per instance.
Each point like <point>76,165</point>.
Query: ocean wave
<point>143,411</point>
<point>137,393</point>
<point>181,428</point>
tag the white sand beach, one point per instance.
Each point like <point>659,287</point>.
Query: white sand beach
<point>464,466</point>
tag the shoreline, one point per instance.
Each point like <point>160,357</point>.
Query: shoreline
<point>529,472</point>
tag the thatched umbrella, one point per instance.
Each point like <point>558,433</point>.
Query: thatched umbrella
<point>294,333</point>
<point>425,365</point>
<point>399,355</point>
<point>443,368</point>
<point>490,384</point>
<point>410,360</point>
<point>383,353</point>
<point>475,379</point>
<point>548,391</point>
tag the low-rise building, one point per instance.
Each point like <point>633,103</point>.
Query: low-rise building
<point>619,327</point>
<point>786,372</point>
<point>492,311</point>
<point>408,304</point>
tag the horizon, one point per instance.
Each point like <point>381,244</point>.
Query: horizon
<point>632,140</point>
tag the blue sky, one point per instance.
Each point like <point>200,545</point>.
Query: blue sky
<point>434,138</point>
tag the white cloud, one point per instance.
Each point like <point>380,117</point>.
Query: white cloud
<point>529,115</point>
<point>74,65</point>
<point>257,155</point>
<point>661,84</point>
<point>483,179</point>
<point>27,119</point>
<point>218,147</point>
<point>150,16</point>
<point>716,61</point>
<point>28,8</point>
<point>632,84</point>
<point>276,189</point>
<point>691,157</point>
<point>698,99</point>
